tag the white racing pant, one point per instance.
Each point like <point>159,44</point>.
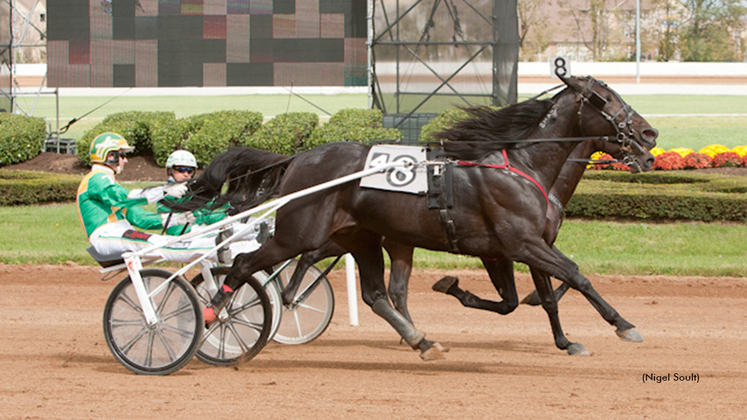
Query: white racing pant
<point>119,237</point>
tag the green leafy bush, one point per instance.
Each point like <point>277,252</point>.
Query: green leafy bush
<point>221,130</point>
<point>33,187</point>
<point>442,121</point>
<point>135,126</point>
<point>353,124</point>
<point>286,134</point>
<point>660,196</point>
<point>21,138</point>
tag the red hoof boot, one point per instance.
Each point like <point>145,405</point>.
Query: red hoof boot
<point>209,315</point>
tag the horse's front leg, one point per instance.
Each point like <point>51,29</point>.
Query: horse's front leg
<point>550,305</point>
<point>550,260</point>
<point>501,272</point>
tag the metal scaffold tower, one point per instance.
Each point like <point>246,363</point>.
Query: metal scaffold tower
<point>431,55</point>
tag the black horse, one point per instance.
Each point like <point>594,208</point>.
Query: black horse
<point>498,216</point>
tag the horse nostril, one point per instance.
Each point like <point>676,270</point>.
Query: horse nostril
<point>650,134</point>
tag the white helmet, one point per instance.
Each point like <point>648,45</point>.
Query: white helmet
<point>181,158</point>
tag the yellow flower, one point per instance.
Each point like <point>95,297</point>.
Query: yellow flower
<point>594,156</point>
<point>682,151</point>
<point>740,150</point>
<point>713,149</point>
<point>656,151</point>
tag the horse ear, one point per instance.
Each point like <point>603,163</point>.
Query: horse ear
<point>573,82</point>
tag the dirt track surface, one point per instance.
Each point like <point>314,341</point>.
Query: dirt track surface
<point>55,363</point>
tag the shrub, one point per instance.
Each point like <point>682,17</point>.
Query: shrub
<point>135,126</point>
<point>726,160</point>
<point>441,122</point>
<point>33,187</point>
<point>21,138</point>
<point>697,161</point>
<point>221,130</point>
<point>669,161</point>
<point>285,134</point>
<point>353,124</point>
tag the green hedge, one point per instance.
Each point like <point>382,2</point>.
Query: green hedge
<point>33,187</point>
<point>353,124</point>
<point>660,196</point>
<point>218,131</point>
<point>21,138</point>
<point>286,134</point>
<point>136,126</point>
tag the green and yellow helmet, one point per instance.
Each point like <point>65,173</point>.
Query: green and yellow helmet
<point>105,143</point>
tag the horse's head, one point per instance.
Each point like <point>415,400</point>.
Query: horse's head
<point>602,112</point>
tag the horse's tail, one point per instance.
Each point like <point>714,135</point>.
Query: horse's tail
<point>252,175</point>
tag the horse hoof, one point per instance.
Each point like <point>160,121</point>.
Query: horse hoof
<point>531,299</point>
<point>432,353</point>
<point>442,349</point>
<point>577,349</point>
<point>631,335</point>
<point>445,284</point>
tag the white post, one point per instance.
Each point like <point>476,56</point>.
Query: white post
<point>352,289</point>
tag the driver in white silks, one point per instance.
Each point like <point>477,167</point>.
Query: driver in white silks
<point>109,212</point>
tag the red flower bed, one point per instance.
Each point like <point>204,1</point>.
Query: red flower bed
<point>669,161</point>
<point>604,156</point>
<point>744,160</point>
<point>697,161</point>
<point>726,160</point>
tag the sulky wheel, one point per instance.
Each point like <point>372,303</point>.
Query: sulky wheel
<point>162,348</point>
<point>310,313</point>
<point>243,327</point>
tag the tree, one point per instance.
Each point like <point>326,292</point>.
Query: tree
<point>671,14</point>
<point>534,36</point>
<point>711,30</point>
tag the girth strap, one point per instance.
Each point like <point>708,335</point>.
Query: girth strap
<point>508,166</point>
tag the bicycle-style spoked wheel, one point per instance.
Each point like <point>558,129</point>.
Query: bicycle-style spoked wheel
<point>310,313</point>
<point>243,327</point>
<point>158,349</point>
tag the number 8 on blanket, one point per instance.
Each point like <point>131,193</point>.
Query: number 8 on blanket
<point>409,179</point>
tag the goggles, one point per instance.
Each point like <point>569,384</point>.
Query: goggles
<point>184,169</point>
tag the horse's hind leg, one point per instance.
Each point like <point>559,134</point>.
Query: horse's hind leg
<point>501,272</point>
<point>329,249</point>
<point>399,277</point>
<point>550,305</point>
<point>366,249</point>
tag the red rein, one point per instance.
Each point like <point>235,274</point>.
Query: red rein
<point>510,168</point>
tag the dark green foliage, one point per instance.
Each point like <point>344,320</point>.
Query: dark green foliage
<point>33,187</point>
<point>286,134</point>
<point>136,126</point>
<point>443,120</point>
<point>355,125</point>
<point>660,196</point>
<point>220,130</point>
<point>21,138</point>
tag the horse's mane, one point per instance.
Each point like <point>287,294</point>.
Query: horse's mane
<point>487,129</point>
<point>253,176</point>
